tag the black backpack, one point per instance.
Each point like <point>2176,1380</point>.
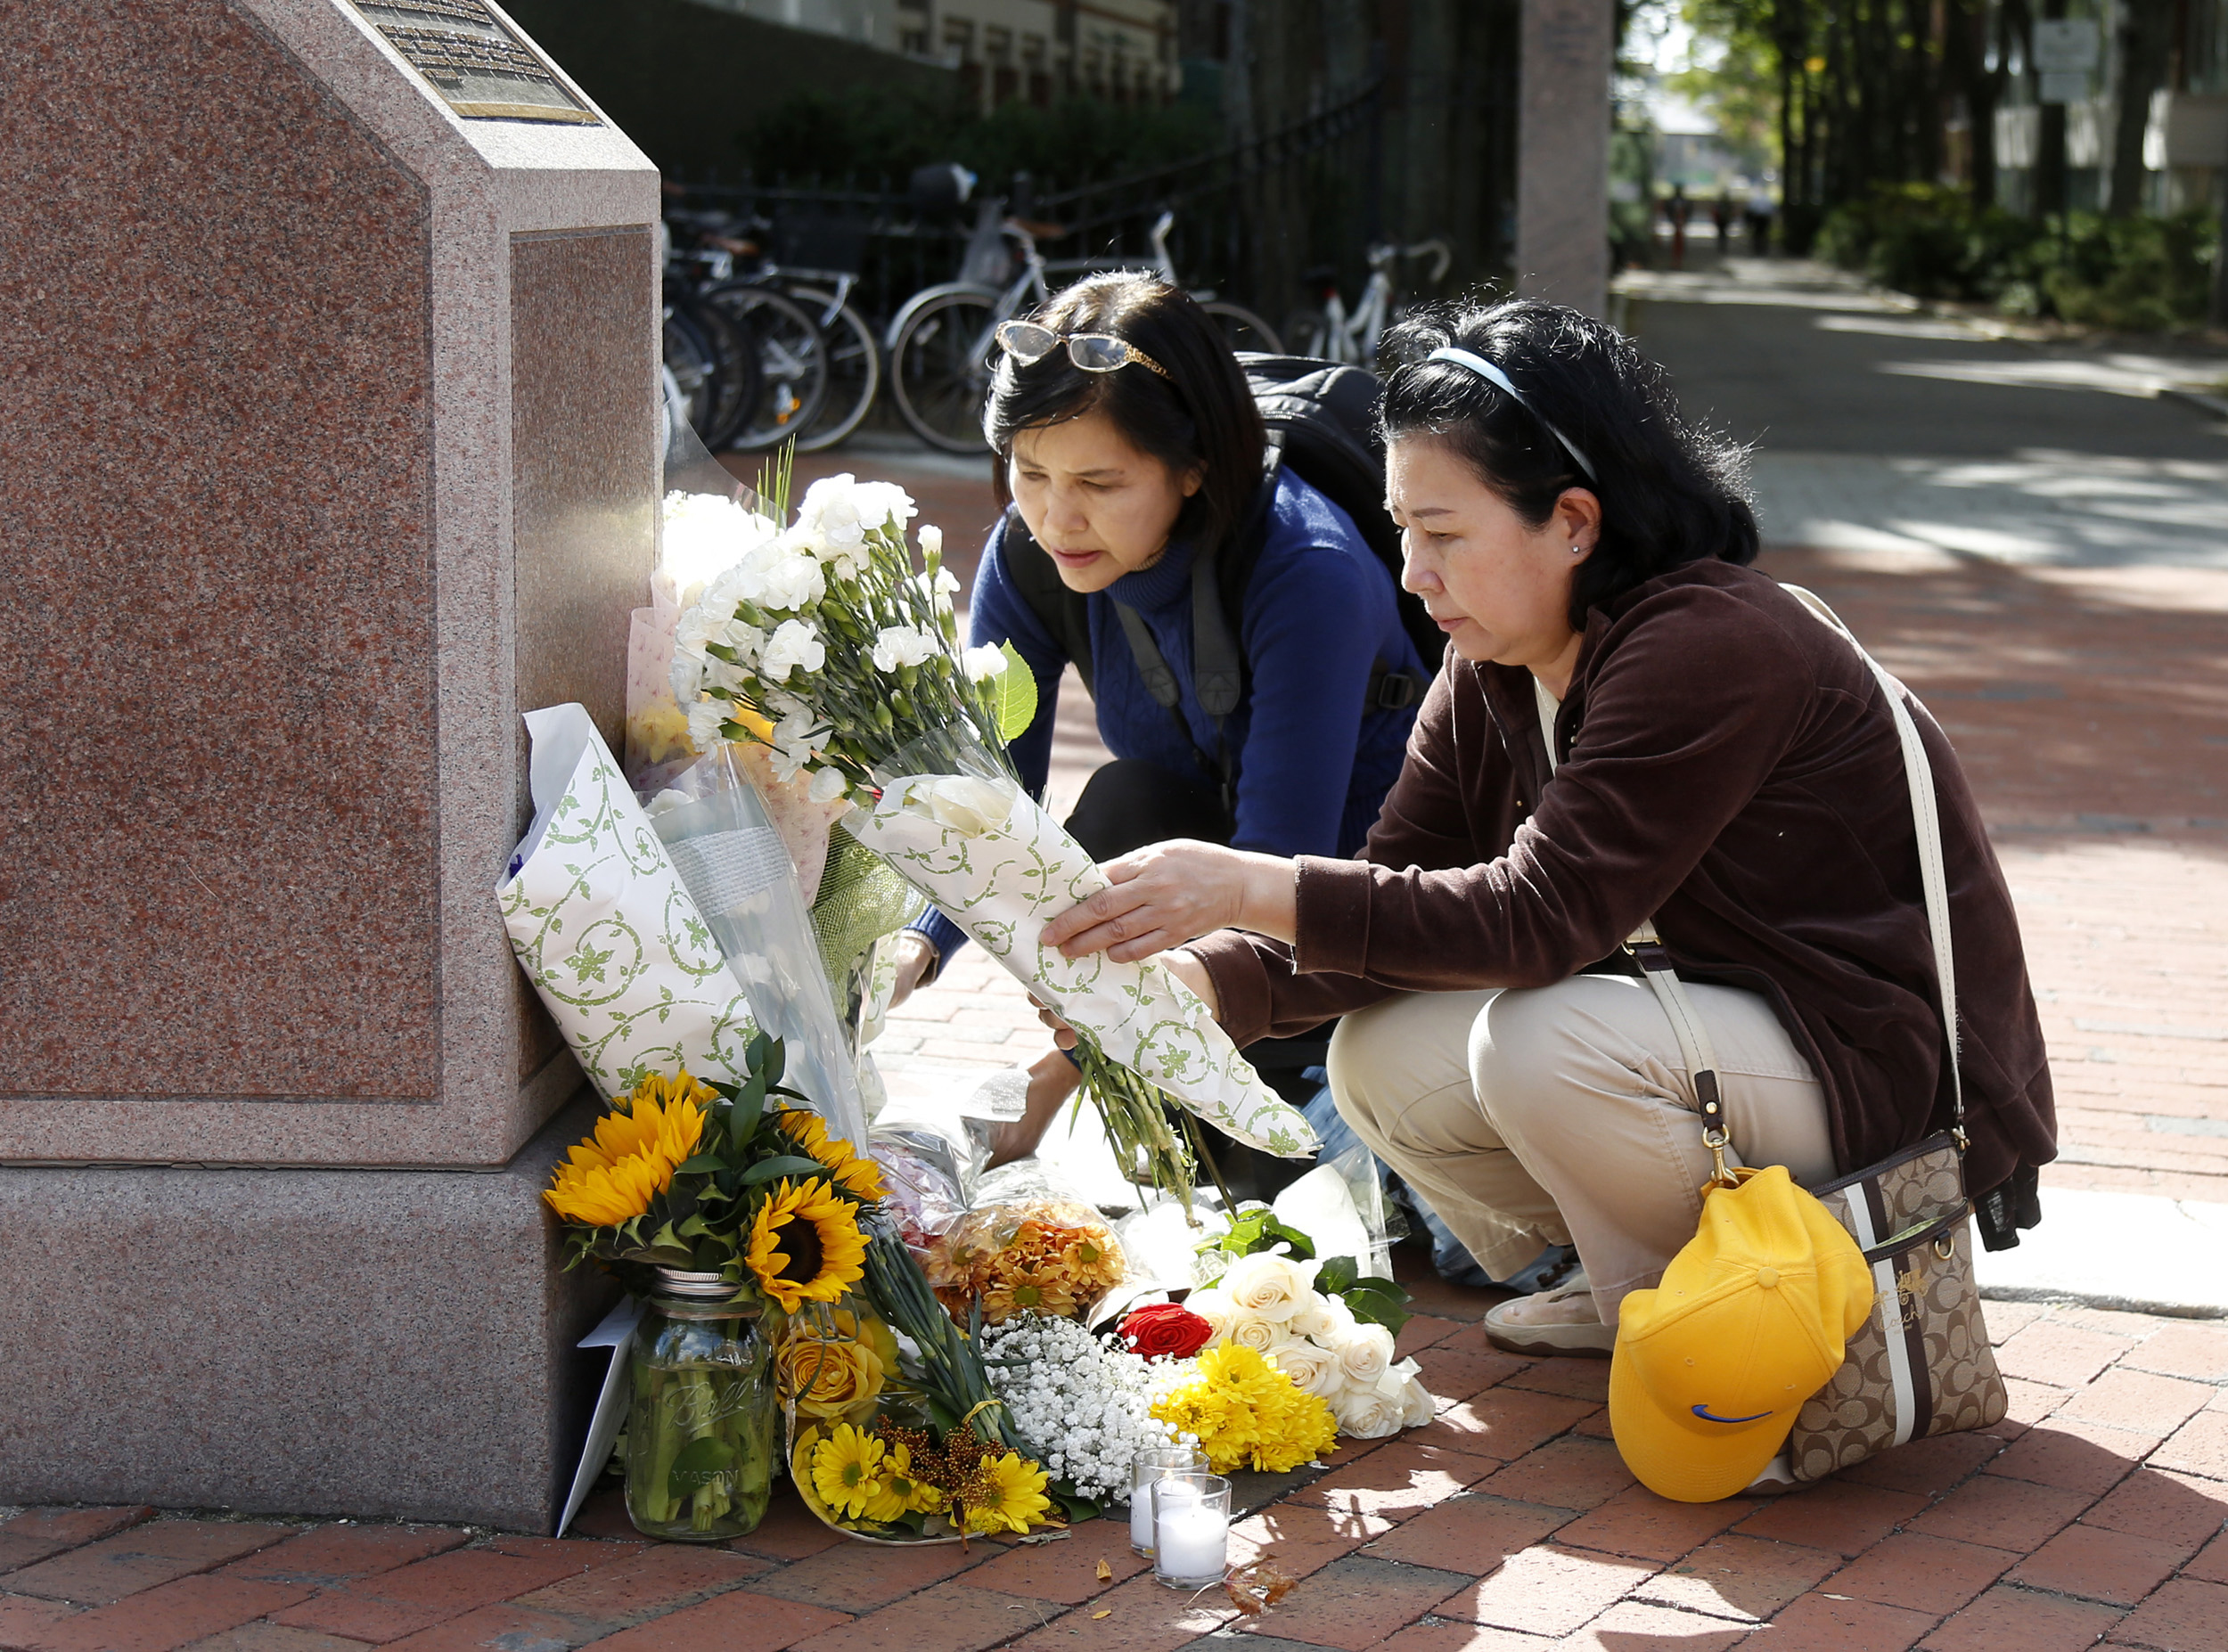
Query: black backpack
<point>1322,419</point>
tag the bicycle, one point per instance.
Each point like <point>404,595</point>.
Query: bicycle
<point>940,341</point>
<point>817,265</point>
<point>1332,334</point>
<point>790,381</point>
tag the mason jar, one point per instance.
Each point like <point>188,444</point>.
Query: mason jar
<point>704,1422</point>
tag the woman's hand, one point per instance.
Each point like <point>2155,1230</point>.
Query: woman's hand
<point>1170,893</point>
<point>917,960</point>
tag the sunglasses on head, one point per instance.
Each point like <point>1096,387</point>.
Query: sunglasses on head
<point>1029,343</point>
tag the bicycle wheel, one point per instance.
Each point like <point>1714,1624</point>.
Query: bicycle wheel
<point>736,383</point>
<point>1241,329</point>
<point>939,370</point>
<point>1307,333</point>
<point>792,365</point>
<point>855,370</point>
<point>690,358</point>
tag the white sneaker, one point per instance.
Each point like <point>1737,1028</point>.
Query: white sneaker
<point>1562,1320</point>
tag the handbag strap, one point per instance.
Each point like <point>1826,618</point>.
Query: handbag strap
<point>1686,1023</point>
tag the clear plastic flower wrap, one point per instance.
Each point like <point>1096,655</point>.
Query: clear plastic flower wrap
<point>716,832</point>
<point>1029,1246</point>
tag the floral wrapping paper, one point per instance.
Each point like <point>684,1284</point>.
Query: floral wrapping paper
<point>606,930</point>
<point>1002,869</point>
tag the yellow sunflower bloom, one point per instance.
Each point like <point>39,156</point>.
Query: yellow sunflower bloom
<point>1010,1495</point>
<point>846,1470</point>
<point>805,1245</point>
<point>894,1492</point>
<point>611,1177</point>
<point>858,1176</point>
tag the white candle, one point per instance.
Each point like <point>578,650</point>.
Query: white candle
<point>1189,1540</point>
<point>1141,1517</point>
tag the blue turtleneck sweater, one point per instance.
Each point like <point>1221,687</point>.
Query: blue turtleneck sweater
<point>1319,612</point>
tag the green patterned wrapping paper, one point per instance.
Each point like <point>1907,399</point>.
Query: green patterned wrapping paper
<point>606,930</point>
<point>1003,869</point>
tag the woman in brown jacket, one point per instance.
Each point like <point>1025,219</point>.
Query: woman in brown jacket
<point>1631,724</point>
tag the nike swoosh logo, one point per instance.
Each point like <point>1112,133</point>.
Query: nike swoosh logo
<point>1706,1415</point>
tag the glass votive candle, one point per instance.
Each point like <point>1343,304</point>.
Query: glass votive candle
<point>1151,1464</point>
<point>1191,1529</point>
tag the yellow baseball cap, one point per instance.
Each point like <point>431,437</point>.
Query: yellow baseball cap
<point>1749,1322</point>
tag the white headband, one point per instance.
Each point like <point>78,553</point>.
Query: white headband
<point>1493,376</point>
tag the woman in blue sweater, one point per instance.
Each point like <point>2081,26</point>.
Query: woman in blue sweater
<point>1129,446</point>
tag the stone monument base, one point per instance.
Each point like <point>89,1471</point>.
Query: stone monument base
<point>313,1342</point>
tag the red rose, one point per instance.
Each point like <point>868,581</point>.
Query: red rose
<point>1165,1331</point>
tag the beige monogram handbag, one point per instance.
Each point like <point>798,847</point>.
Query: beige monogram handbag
<point>1921,1364</point>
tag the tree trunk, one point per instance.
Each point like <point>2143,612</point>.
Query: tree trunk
<point>2050,141</point>
<point>2143,29</point>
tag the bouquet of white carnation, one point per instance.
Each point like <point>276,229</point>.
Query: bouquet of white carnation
<point>825,643</point>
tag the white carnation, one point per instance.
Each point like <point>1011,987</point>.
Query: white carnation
<point>705,716</point>
<point>702,536</point>
<point>1270,1286</point>
<point>880,503</point>
<point>983,663</point>
<point>794,645</point>
<point>933,541</point>
<point>902,645</point>
<point>828,785</point>
<point>783,578</point>
<point>1365,1352</point>
<point>745,641</point>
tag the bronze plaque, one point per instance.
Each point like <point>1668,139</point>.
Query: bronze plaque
<point>481,67</point>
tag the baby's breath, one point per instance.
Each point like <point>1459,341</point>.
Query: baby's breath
<point>1082,1403</point>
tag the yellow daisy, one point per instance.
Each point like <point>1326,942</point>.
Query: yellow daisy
<point>805,1245</point>
<point>846,1468</point>
<point>1007,1495</point>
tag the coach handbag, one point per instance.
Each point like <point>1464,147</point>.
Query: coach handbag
<point>1922,1363</point>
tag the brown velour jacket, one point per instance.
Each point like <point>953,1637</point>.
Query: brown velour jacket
<point>1730,768</point>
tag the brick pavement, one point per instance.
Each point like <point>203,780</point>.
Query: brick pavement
<point>2094,1511</point>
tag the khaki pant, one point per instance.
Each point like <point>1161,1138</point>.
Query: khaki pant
<point>1564,1115</point>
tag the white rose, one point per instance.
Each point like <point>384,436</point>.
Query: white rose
<point>1314,1369</point>
<point>828,785</point>
<point>983,663</point>
<point>933,541</point>
<point>794,644</point>
<point>1314,1317</point>
<point>705,716</point>
<point>897,646</point>
<point>1402,1383</point>
<point>1365,1352</point>
<point>1270,1286</point>
<point>1251,1330</point>
<point>1215,1306</point>
<point>1365,1413</point>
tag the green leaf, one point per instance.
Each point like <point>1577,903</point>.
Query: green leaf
<point>1336,1277</point>
<point>767,1060</point>
<point>1372,1305</point>
<point>1013,695</point>
<point>698,1461</point>
<point>1074,1507</point>
<point>701,1165</point>
<point>1259,1229</point>
<point>787,1164</point>
<point>742,1119</point>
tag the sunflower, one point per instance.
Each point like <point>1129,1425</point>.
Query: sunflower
<point>862,1178</point>
<point>1006,1494</point>
<point>611,1177</point>
<point>846,1470</point>
<point>805,1245</point>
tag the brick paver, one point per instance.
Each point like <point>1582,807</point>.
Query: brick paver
<point>1403,1545</point>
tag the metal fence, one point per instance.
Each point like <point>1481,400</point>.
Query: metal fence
<point>1249,217</point>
